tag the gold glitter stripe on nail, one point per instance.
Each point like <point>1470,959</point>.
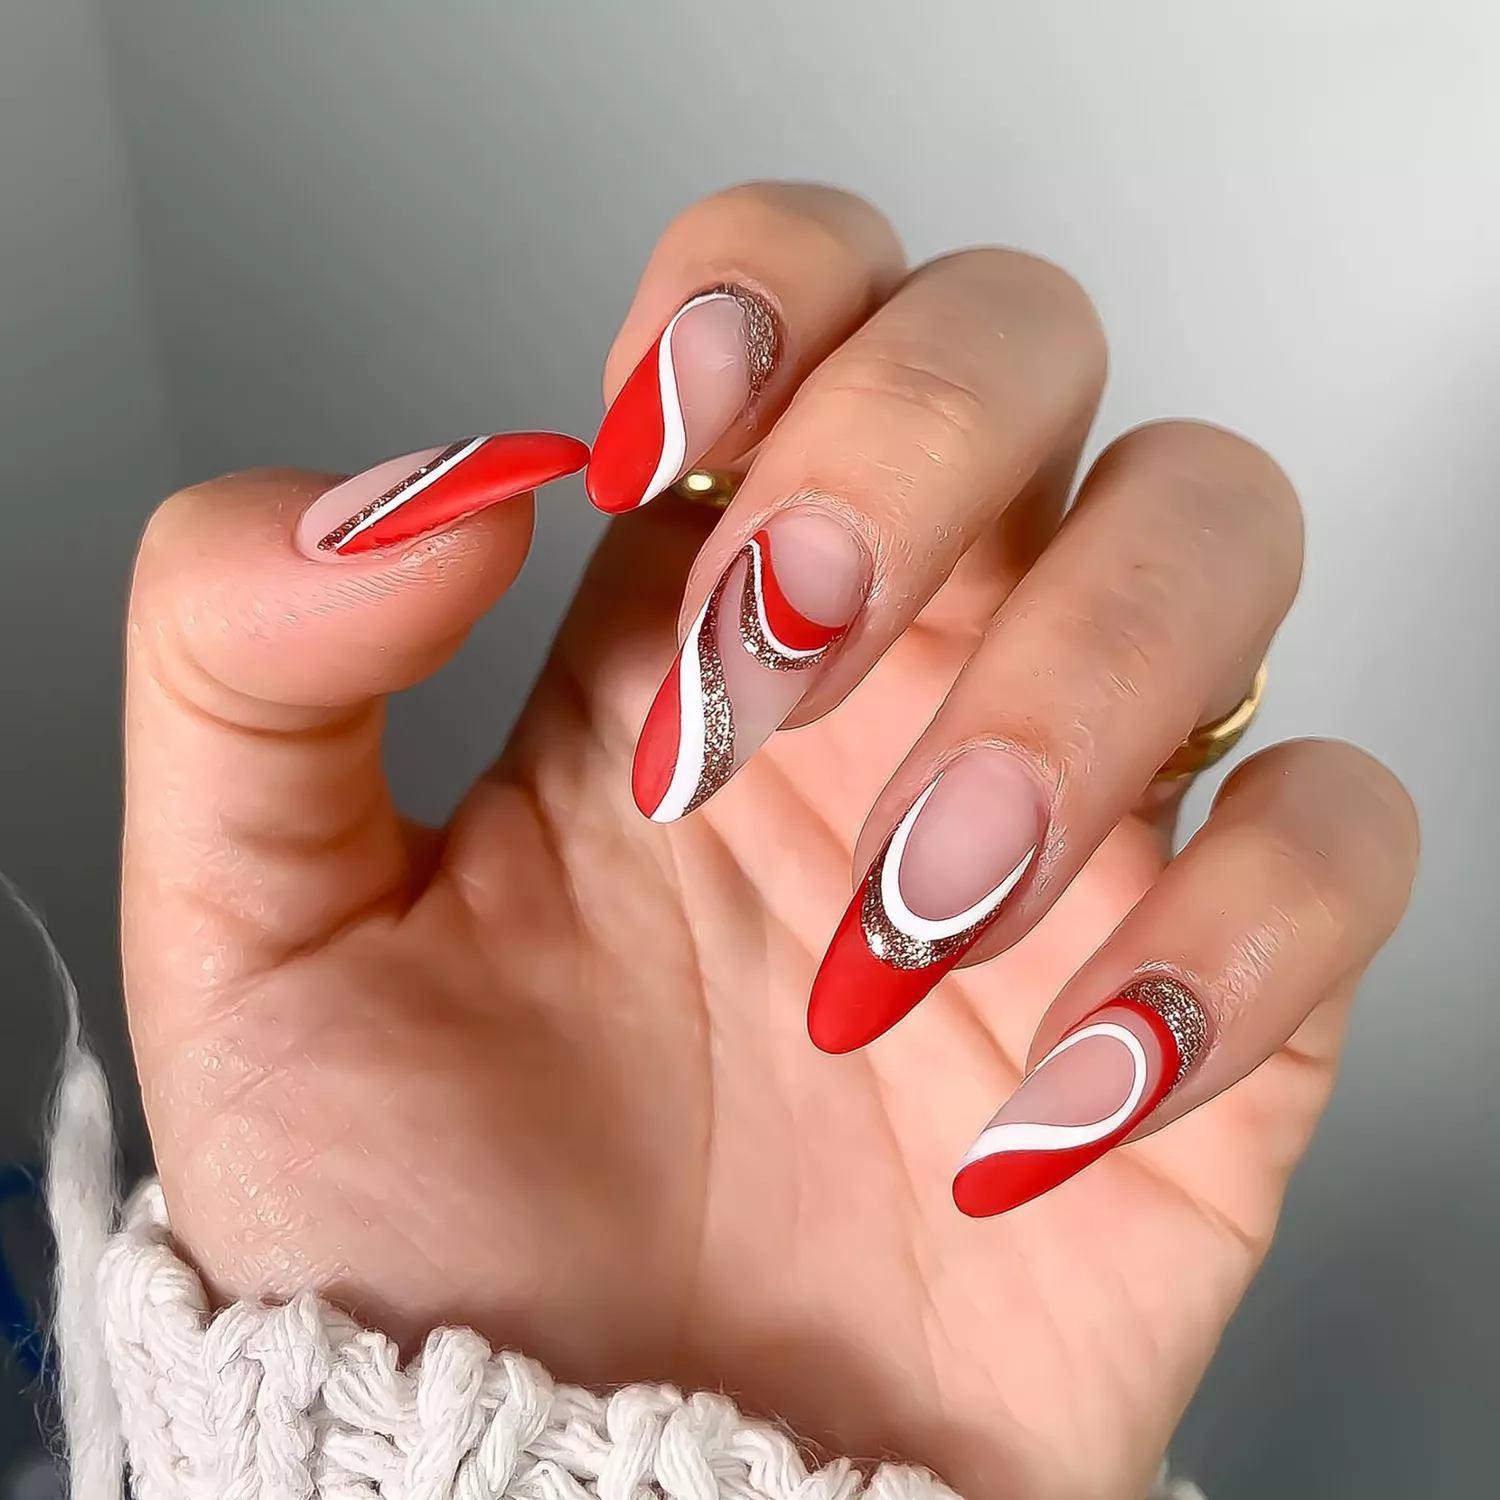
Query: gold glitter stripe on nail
<point>718,712</point>
<point>344,529</point>
<point>900,949</point>
<point>1179,1011</point>
<point>762,333</point>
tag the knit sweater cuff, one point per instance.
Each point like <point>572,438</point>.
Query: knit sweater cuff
<point>289,1401</point>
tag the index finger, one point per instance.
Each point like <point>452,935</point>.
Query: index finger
<point>744,295</point>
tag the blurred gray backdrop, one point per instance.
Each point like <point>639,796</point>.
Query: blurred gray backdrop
<point>315,233</point>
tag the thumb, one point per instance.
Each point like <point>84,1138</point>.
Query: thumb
<point>257,817</point>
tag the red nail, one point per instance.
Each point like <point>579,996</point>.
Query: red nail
<point>940,881</point>
<point>1101,1081</point>
<point>407,497</point>
<point>684,395</point>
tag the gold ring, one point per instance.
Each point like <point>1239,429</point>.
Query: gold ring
<point>1210,743</point>
<point>711,487</point>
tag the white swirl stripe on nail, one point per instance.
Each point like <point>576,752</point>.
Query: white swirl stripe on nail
<point>405,493</point>
<point>692,737</point>
<point>1027,1135</point>
<point>673,427</point>
<point>903,918</point>
<point>758,583</point>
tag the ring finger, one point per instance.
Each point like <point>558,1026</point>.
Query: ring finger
<point>1263,922</point>
<point>1148,614</point>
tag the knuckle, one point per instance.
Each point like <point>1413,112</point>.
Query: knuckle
<point>1038,281</point>
<point>1027,287</point>
<point>1214,485</point>
<point>813,219</point>
<point>1209,460</point>
<point>1289,863</point>
<point>1191,446</point>
<point>1297,885</point>
<point>1128,628</point>
<point>1374,793</point>
<point>950,412</point>
<point>1353,821</point>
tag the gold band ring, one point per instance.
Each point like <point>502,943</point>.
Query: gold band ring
<point>711,487</point>
<point>1210,743</point>
<point>1205,746</point>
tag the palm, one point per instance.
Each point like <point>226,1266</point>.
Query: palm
<point>567,1095</point>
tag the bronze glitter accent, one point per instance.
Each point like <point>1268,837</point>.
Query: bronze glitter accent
<point>718,714</point>
<point>344,529</point>
<point>762,333</point>
<point>755,640</point>
<point>900,949</point>
<point>1179,1010</point>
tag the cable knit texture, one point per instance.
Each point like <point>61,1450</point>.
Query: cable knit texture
<point>261,1402</point>
<point>281,1403</point>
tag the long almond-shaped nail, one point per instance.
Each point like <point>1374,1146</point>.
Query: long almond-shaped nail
<point>1096,1086</point>
<point>789,594</point>
<point>704,369</point>
<point>942,878</point>
<point>405,498</point>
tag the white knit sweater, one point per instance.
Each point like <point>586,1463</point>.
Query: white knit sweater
<point>292,1401</point>
<point>259,1402</point>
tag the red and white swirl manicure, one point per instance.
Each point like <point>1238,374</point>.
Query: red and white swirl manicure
<point>695,381</point>
<point>788,596</point>
<point>943,878</point>
<point>1090,1092</point>
<point>405,498</point>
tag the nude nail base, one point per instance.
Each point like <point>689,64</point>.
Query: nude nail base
<point>909,923</point>
<point>1106,1077</point>
<point>405,498</point>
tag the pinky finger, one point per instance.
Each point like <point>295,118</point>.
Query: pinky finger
<point>1298,877</point>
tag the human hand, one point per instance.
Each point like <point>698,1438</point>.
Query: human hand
<point>546,1071</point>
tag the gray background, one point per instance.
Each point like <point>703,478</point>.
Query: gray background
<point>317,233</point>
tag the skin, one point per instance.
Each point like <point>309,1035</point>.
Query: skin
<point>544,1070</point>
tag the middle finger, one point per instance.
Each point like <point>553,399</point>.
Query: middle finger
<point>971,389</point>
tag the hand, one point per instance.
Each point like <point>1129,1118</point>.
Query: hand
<point>546,1070</point>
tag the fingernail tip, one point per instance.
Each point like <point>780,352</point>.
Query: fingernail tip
<point>969,1209</point>
<point>829,1042</point>
<point>831,1026</point>
<point>978,1198</point>
<point>597,488</point>
<point>855,997</point>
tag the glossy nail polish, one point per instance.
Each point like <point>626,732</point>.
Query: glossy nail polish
<point>405,498</point>
<point>787,597</point>
<point>941,880</point>
<point>699,376</point>
<point>1098,1085</point>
